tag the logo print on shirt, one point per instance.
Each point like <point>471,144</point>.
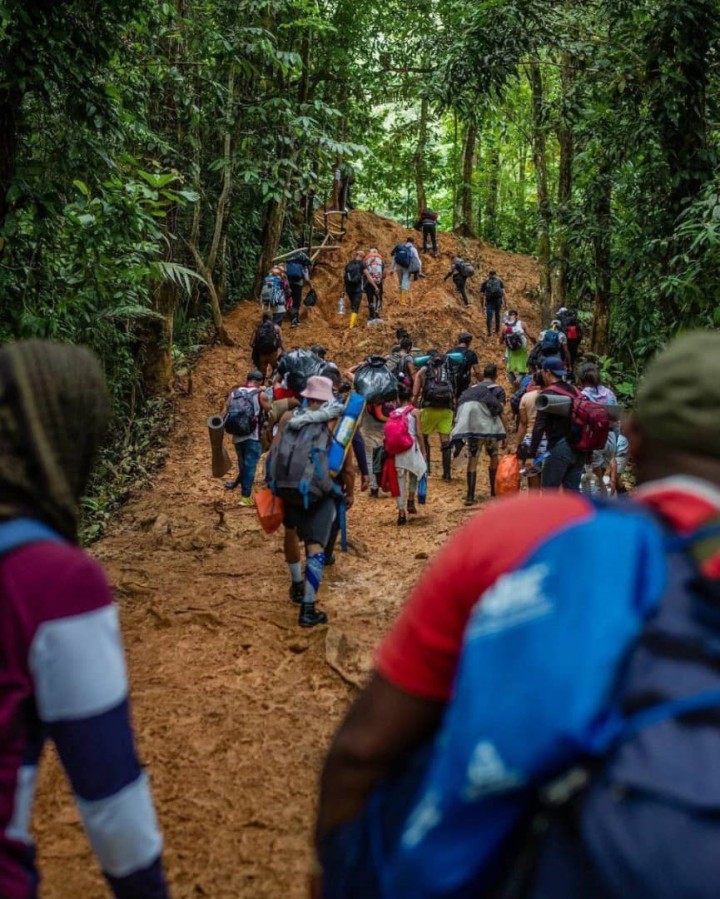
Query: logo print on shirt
<point>514,599</point>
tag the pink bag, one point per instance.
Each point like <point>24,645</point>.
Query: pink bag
<point>398,438</point>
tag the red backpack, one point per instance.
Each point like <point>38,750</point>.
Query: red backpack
<point>398,438</point>
<point>589,425</point>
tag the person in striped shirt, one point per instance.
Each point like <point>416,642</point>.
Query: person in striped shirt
<point>62,665</point>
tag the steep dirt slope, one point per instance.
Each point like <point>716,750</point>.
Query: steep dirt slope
<point>234,704</point>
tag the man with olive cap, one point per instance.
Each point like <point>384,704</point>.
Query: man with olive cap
<point>637,584</point>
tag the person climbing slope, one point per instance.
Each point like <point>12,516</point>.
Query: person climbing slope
<point>434,389</point>
<point>493,291</point>
<point>463,372</point>
<point>480,423</point>
<point>428,222</point>
<point>515,338</point>
<point>405,460</point>
<point>298,274</point>
<point>374,277</point>
<point>275,294</point>
<point>406,261</point>
<point>298,474</point>
<point>354,281</point>
<point>61,654</point>
<point>243,418</point>
<point>266,346</point>
<point>460,271</point>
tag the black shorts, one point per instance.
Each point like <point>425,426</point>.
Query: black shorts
<point>313,524</point>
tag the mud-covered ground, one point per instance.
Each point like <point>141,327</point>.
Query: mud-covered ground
<point>233,703</point>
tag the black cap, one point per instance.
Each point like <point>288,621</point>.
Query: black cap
<point>319,350</point>
<point>255,375</point>
<point>464,337</point>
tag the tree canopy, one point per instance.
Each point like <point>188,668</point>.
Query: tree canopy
<point>155,156</point>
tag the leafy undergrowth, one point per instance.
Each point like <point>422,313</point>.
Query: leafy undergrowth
<point>125,466</point>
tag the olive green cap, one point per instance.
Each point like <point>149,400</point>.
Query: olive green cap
<point>678,402</point>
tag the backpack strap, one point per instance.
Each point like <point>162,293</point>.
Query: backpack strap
<point>22,531</point>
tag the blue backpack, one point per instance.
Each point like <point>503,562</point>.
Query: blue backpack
<point>641,644</point>
<point>402,254</point>
<point>550,345</point>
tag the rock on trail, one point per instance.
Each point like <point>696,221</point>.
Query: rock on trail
<point>233,703</point>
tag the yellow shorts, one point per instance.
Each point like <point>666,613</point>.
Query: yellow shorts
<point>436,421</point>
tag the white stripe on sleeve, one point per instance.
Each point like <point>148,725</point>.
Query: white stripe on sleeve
<point>78,665</point>
<point>123,829</point>
<point>18,827</point>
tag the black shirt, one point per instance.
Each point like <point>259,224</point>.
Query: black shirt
<point>463,370</point>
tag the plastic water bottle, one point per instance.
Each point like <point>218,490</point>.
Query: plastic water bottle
<point>589,483</point>
<point>422,490</point>
<point>341,305</point>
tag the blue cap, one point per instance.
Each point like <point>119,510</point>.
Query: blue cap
<point>555,365</point>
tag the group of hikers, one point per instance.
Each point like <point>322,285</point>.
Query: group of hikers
<point>364,275</point>
<point>411,400</point>
<point>542,720</point>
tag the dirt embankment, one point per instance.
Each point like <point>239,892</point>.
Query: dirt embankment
<point>233,703</point>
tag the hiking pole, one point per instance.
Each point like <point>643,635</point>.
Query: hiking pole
<point>342,514</point>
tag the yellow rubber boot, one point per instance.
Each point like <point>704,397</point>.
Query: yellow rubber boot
<point>404,298</point>
<point>353,319</point>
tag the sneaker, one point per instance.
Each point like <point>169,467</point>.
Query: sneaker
<point>412,510</point>
<point>297,592</point>
<point>310,617</point>
<point>230,485</point>
<point>246,501</point>
<point>375,493</point>
<point>402,519</point>
<point>329,560</point>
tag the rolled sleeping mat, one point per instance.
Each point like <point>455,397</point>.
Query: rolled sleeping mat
<point>560,405</point>
<point>551,402</point>
<point>221,461</point>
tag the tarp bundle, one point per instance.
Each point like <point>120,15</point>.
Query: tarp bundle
<point>374,380</point>
<point>299,365</point>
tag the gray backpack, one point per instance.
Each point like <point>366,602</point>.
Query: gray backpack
<point>299,466</point>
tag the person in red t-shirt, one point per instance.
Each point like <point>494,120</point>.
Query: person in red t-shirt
<point>675,443</point>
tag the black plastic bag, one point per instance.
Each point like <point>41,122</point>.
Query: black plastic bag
<point>299,365</point>
<point>310,299</point>
<point>375,381</point>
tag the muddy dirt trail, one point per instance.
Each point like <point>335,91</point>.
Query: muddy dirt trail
<point>233,703</point>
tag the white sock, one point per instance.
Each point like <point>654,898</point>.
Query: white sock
<point>295,571</point>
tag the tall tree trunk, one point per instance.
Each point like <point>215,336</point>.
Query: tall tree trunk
<point>520,212</point>
<point>601,200</point>
<point>565,181</point>
<point>537,106</point>
<point>273,217</point>
<point>491,197</point>
<point>206,267</point>
<point>479,161</point>
<point>466,197</point>
<point>9,114</point>
<point>419,160</point>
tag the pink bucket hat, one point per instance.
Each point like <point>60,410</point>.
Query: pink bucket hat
<point>319,388</point>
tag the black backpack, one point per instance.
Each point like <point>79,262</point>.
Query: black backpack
<point>513,340</point>
<point>570,326</point>
<point>353,274</point>
<point>266,338</point>
<point>439,388</point>
<point>493,289</point>
<point>242,418</point>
